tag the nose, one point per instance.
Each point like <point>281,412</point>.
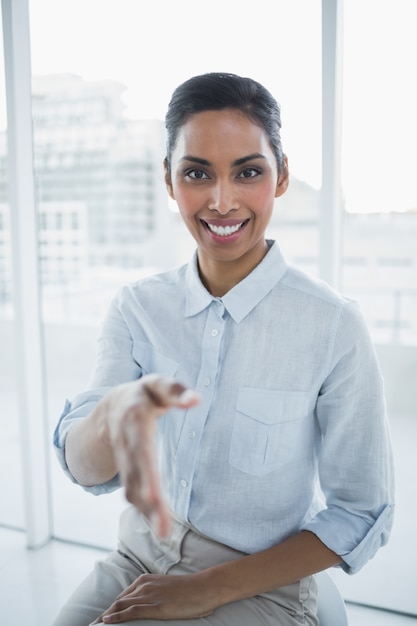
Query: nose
<point>223,198</point>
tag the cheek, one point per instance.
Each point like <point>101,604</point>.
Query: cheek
<point>263,198</point>
<point>188,200</point>
<point>186,206</point>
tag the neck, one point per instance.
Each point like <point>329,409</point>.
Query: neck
<point>218,285</point>
<point>219,277</point>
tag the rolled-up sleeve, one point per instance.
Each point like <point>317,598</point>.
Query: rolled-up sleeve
<point>355,460</point>
<point>78,408</point>
<point>342,538</point>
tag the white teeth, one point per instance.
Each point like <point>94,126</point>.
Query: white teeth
<point>223,231</point>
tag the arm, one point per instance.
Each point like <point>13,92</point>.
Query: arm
<point>299,556</point>
<point>118,436</point>
<point>355,460</point>
<point>198,595</point>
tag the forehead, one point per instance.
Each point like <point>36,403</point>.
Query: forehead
<point>220,132</point>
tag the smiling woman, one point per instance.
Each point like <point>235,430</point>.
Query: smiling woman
<point>79,174</point>
<point>225,391</point>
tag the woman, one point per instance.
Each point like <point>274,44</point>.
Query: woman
<point>237,400</point>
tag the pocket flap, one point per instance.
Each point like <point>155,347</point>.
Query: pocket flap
<point>272,406</point>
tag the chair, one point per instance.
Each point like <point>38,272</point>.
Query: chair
<point>331,606</point>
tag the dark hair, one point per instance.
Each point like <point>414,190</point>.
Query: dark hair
<point>216,91</point>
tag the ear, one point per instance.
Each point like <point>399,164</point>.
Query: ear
<point>168,181</point>
<point>283,178</point>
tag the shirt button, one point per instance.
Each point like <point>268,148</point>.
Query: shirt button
<point>183,483</point>
<point>214,332</point>
<point>191,434</point>
<point>206,382</point>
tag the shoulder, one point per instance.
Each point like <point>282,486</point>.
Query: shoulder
<point>294,284</point>
<point>314,289</point>
<point>153,284</point>
<point>321,306</point>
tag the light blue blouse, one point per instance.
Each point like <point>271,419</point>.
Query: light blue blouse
<point>291,431</point>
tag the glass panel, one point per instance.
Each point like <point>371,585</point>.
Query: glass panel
<point>380,253</point>
<point>379,165</point>
<point>11,510</point>
<point>99,145</point>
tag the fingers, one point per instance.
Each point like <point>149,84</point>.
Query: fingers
<point>160,519</point>
<point>161,597</point>
<point>134,424</point>
<point>164,392</point>
<point>137,460</point>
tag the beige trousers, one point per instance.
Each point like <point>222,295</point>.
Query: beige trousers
<point>183,553</point>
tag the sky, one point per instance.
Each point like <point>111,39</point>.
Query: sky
<point>152,46</point>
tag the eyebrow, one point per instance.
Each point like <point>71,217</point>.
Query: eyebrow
<point>241,161</point>
<point>250,157</point>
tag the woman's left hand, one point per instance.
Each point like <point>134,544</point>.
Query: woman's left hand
<point>169,597</point>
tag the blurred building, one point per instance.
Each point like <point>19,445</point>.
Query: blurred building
<point>63,244</point>
<point>104,216</point>
<point>99,187</point>
<point>87,151</point>
<point>380,271</point>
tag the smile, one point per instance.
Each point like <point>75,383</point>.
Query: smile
<point>224,231</point>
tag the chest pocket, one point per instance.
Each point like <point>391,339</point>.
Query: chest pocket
<point>267,430</point>
<point>153,362</point>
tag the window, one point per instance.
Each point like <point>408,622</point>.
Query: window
<point>379,165</point>
<point>379,268</point>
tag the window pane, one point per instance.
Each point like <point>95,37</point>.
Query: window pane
<point>379,165</point>
<point>380,252</point>
<point>11,510</point>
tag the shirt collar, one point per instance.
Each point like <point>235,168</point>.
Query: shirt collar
<point>244,297</point>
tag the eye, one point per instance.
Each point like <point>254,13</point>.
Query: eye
<point>249,172</point>
<point>195,174</point>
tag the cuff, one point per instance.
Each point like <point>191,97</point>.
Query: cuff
<point>338,534</point>
<point>80,407</point>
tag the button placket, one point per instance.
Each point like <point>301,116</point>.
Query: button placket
<point>188,446</point>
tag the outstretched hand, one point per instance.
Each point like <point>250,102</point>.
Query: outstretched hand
<point>132,412</point>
